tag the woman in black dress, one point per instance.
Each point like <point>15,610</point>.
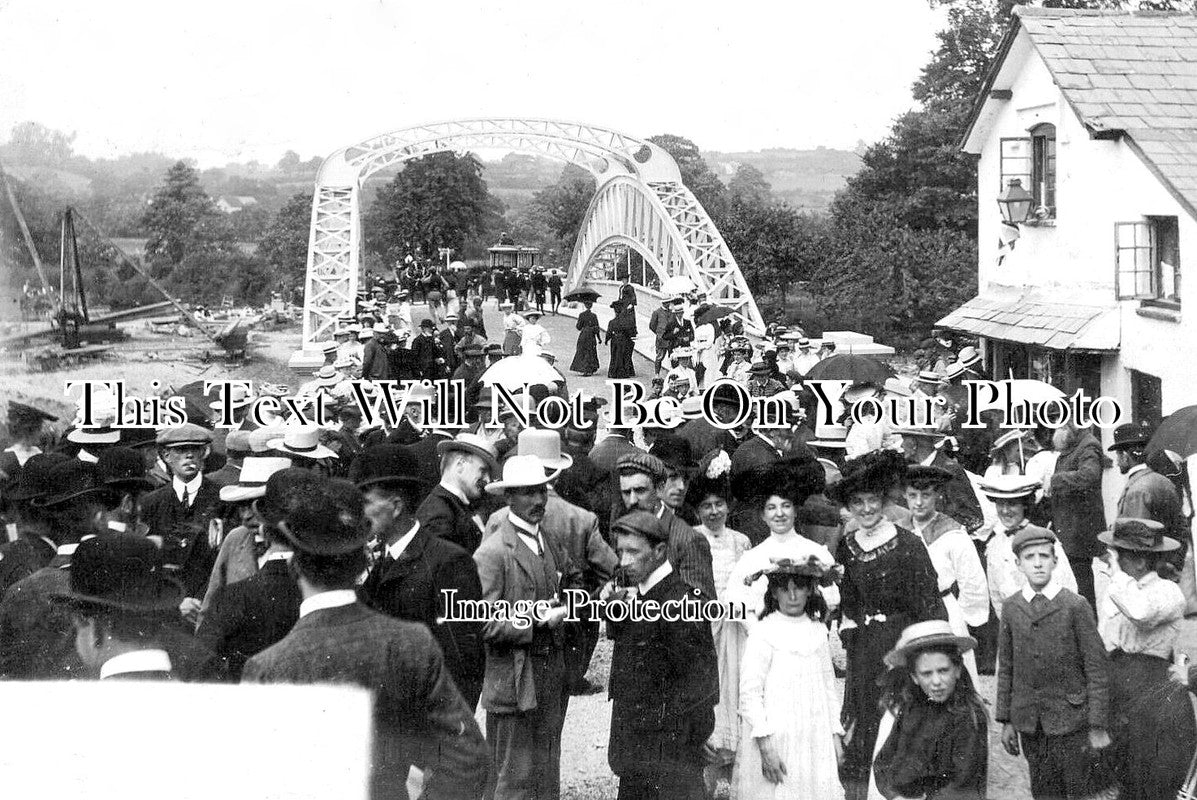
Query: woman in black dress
<point>889,583</point>
<point>934,739</point>
<point>586,360</point>
<point>620,335</point>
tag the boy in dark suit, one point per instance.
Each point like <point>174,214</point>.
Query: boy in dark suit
<point>1053,678</point>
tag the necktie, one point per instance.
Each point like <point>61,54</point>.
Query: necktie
<point>1038,601</point>
<point>186,498</point>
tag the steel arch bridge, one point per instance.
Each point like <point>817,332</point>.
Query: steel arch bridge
<point>639,201</point>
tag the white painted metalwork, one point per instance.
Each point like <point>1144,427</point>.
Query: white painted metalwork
<point>640,201</point>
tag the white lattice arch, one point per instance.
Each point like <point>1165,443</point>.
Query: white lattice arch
<point>640,200</point>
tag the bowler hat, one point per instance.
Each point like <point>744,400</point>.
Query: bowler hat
<point>920,636</point>
<point>123,469</point>
<point>72,479</point>
<point>282,487</point>
<point>641,523</point>
<point>386,465</point>
<point>1029,535</point>
<point>1132,435</point>
<point>675,451</point>
<point>545,445</point>
<point>326,520</point>
<point>427,323</point>
<point>1133,533</point>
<point>120,572</point>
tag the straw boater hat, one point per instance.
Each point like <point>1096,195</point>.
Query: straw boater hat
<point>934,633</point>
<point>252,483</point>
<point>86,436</point>
<point>1142,535</point>
<point>545,445</point>
<point>328,375</point>
<point>473,444</point>
<point>532,312</point>
<point>968,356</point>
<point>520,472</point>
<point>302,441</point>
<point>1009,487</point>
<point>931,380</point>
<point>1009,437</point>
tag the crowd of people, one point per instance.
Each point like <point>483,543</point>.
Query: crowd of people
<point>296,553</point>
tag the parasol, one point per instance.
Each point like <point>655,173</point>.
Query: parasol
<point>676,284</point>
<point>516,373</point>
<point>458,266</point>
<point>1178,433</point>
<point>712,315</point>
<point>851,367</point>
<point>582,295</point>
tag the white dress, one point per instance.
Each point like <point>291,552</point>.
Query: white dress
<point>787,691</point>
<point>790,545</point>
<point>533,339</point>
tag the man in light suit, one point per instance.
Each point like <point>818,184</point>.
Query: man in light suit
<point>575,532</point>
<point>525,668</point>
<point>419,716</point>
<point>641,482</point>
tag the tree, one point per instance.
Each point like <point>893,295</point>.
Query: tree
<point>289,163</point>
<point>562,206</point>
<point>210,276</point>
<point>181,219</point>
<point>749,185</point>
<point>34,143</point>
<point>439,200</point>
<point>284,246</point>
<point>697,175</point>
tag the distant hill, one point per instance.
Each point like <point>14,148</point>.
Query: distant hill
<point>806,179</point>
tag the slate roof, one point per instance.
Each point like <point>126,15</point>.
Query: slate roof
<point>1124,72</point>
<point>1038,320</point>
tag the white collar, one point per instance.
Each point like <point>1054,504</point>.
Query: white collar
<point>1135,468</point>
<point>1050,591</point>
<point>136,661</point>
<point>395,550</point>
<point>661,510</point>
<point>192,487</point>
<point>330,599</point>
<point>453,490</point>
<point>926,462</point>
<point>88,457</point>
<point>529,534</point>
<point>278,555</point>
<point>766,440</point>
<point>659,574</point>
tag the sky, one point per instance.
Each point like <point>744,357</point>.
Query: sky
<point>235,80</point>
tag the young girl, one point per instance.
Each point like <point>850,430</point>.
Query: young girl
<point>792,739</point>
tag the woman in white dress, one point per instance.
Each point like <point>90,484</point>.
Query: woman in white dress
<point>962,582</point>
<point>709,494</point>
<point>792,739</point>
<point>533,337</point>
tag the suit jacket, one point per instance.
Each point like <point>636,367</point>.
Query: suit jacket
<point>447,342</point>
<point>227,475</point>
<point>419,716</point>
<point>586,485</point>
<point>1052,666</point>
<point>1149,495</point>
<point>449,518</point>
<point>664,686</point>
<point>236,560</point>
<point>690,554</point>
<point>705,437</point>
<point>246,617</point>
<point>375,364</point>
<point>37,639</point>
<point>427,459</point>
<point>510,572</point>
<point>184,532</point>
<point>753,454</point>
<point>606,453</point>
<point>960,500</point>
<point>424,353</point>
<point>411,587</point>
<point>22,558</point>
<point>1076,504</point>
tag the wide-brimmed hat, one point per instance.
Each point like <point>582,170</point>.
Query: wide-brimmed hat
<point>34,479</point>
<point>922,474</point>
<point>679,353</point>
<point>873,473</point>
<point>1133,533</point>
<point>122,469</point>
<point>675,451</point>
<point>521,472</point>
<point>93,436</point>
<point>1131,435</point>
<point>186,435</point>
<point>934,633</point>
<point>794,478</point>
<point>532,312</point>
<point>68,481</point>
<point>473,444</point>
<point>968,356</point>
<point>386,465</point>
<point>328,375</point>
<point>251,484</point>
<point>280,487</point>
<point>120,572</point>
<point>545,445</point>
<point>302,441</point>
<point>27,413</point>
<point>1009,487</point>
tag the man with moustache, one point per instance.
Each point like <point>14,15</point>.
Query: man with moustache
<point>451,510</point>
<point>525,669</point>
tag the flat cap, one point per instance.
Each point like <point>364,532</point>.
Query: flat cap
<point>641,523</point>
<point>650,465</point>
<point>187,434</point>
<point>1031,534</point>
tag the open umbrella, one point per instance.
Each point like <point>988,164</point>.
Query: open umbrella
<point>582,295</point>
<point>712,315</point>
<point>676,284</point>
<point>851,367</point>
<point>516,373</point>
<point>1178,433</point>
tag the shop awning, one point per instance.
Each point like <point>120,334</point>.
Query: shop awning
<point>1036,320</point>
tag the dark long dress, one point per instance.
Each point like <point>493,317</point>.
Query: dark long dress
<point>586,359</point>
<point>896,581</point>
<point>1152,727</point>
<point>939,751</point>
<point>621,333</point>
